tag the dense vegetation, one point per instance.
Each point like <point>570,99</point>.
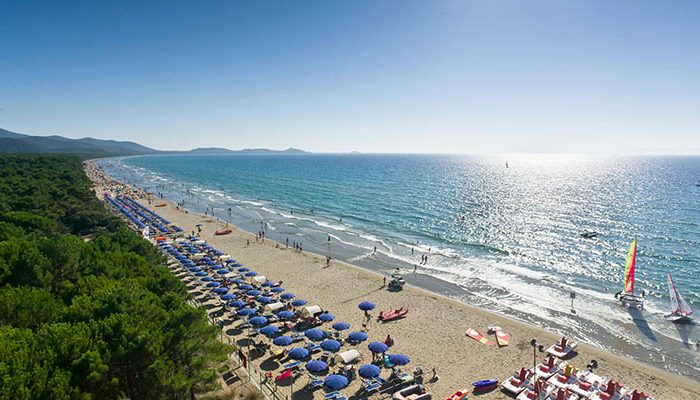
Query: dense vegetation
<point>87,309</point>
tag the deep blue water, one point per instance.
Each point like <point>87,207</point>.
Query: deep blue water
<point>511,237</point>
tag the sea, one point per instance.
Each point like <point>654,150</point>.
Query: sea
<point>500,232</point>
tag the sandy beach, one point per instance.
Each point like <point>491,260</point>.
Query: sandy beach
<point>432,334</point>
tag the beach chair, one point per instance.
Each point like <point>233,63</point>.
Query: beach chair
<point>612,391</point>
<point>531,393</point>
<point>518,382</point>
<point>331,395</point>
<point>292,365</point>
<point>370,386</point>
<point>587,385</point>
<point>314,383</point>
<point>562,348</point>
<point>549,367</point>
<point>562,394</point>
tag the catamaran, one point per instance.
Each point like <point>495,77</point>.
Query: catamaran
<point>680,309</point>
<point>628,296</point>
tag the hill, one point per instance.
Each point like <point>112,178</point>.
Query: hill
<point>219,150</point>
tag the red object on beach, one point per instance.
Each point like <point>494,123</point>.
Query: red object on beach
<point>392,315</point>
<point>476,335</point>
<point>224,231</point>
<point>161,205</point>
<point>161,239</point>
<point>458,395</point>
<point>284,375</point>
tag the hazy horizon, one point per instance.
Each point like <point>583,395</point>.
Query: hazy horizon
<point>409,77</point>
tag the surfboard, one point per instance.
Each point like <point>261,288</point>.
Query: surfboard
<point>502,338</point>
<point>474,334</point>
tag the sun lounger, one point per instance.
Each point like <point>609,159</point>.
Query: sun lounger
<point>331,395</point>
<point>530,394</point>
<point>549,367</point>
<point>293,364</point>
<point>611,391</point>
<point>588,384</point>
<point>562,348</point>
<point>315,383</point>
<point>520,381</point>
<point>313,347</point>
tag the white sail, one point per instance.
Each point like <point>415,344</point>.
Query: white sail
<point>678,304</point>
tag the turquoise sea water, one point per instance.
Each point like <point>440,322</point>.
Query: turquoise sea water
<point>508,238</point>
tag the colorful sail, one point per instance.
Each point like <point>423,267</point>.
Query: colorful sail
<point>629,268</point>
<point>678,304</point>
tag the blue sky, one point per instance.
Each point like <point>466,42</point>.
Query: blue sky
<point>375,76</point>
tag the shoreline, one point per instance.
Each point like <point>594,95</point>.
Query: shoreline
<point>453,347</point>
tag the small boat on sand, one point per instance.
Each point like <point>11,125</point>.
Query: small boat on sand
<point>562,348</point>
<point>628,296</point>
<point>680,309</point>
<point>161,205</point>
<point>485,385</point>
<point>223,231</point>
<point>392,315</point>
<point>458,395</point>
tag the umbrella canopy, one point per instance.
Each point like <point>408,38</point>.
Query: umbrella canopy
<point>277,289</point>
<point>366,306</point>
<point>243,269</point>
<point>245,287</point>
<point>223,271</point>
<point>299,302</point>
<point>287,296</point>
<point>267,284</point>
<point>217,266</point>
<point>357,337</point>
<point>298,353</point>
<point>237,281</point>
<point>316,366</point>
<point>207,278</point>
<point>286,314</point>
<point>282,341</point>
<point>251,273</point>
<point>246,311</point>
<point>199,225</point>
<point>335,382</point>
<point>200,273</point>
<point>269,330</point>
<point>221,290</point>
<point>330,345</point>
<point>237,303</point>
<point>213,284</point>
<point>258,321</point>
<point>399,359</point>
<point>314,334</point>
<point>369,371</point>
<point>264,300</point>
<point>253,292</point>
<point>377,347</point>
<point>229,296</point>
<point>341,326</point>
<point>326,317</point>
<point>195,269</point>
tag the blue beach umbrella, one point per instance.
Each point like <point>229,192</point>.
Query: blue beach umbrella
<point>213,284</point>
<point>217,266</point>
<point>223,271</point>
<point>200,273</point>
<point>366,306</point>
<point>299,302</point>
<point>314,334</point>
<point>282,341</point>
<point>286,314</point>
<point>253,292</point>
<point>369,371</point>
<point>207,279</point>
<point>399,359</point>
<point>221,290</point>
<point>335,382</point>
<point>298,353</point>
<point>237,281</point>
<point>330,345</point>
<point>228,296</point>
<point>269,330</point>
<point>316,366</point>
<point>326,317</point>
<point>277,289</point>
<point>258,321</point>
<point>246,311</point>
<point>267,284</point>
<point>341,326</point>
<point>357,337</point>
<point>195,269</point>
<point>230,261</point>
<point>287,296</point>
<point>377,347</point>
<point>237,303</point>
<point>245,287</point>
<point>244,269</point>
<point>264,300</point>
<point>251,273</point>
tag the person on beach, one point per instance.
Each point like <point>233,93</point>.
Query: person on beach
<point>329,239</point>
<point>374,251</point>
<point>435,376</point>
<point>247,242</point>
<point>286,243</point>
<point>415,268</point>
<point>384,282</point>
<point>411,250</point>
<point>389,341</point>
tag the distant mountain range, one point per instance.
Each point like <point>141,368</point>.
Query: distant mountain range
<point>13,142</point>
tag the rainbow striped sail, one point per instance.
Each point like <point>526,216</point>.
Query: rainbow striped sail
<point>629,268</point>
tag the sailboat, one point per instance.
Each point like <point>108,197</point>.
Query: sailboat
<point>680,310</point>
<point>628,296</point>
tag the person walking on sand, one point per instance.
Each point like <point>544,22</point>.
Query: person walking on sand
<point>384,282</point>
<point>415,268</point>
<point>286,244</point>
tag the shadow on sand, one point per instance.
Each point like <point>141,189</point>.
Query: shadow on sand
<point>641,323</point>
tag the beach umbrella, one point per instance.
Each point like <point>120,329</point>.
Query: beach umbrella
<point>243,269</point>
<point>269,330</point>
<point>195,269</point>
<point>282,341</point>
<point>253,292</point>
<point>251,273</point>
<point>326,317</point>
<point>238,280</point>
<point>286,314</point>
<point>217,266</point>
<point>330,345</point>
<point>200,273</point>
<point>366,306</point>
<point>221,290</point>
<point>207,279</point>
<point>357,337</point>
<point>264,300</point>
<point>223,271</point>
<point>228,296</point>
<point>316,366</point>
<point>298,353</point>
<point>287,296</point>
<point>314,334</point>
<point>245,287</point>
<point>341,326</point>
<point>335,382</point>
<point>399,359</point>
<point>299,302</point>
<point>377,347</point>
<point>198,225</point>
<point>213,284</point>
<point>230,260</point>
<point>246,311</point>
<point>267,284</point>
<point>258,321</point>
<point>277,289</point>
<point>237,303</point>
<point>369,371</point>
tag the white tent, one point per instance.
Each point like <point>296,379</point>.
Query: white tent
<point>274,306</point>
<point>347,357</point>
<point>259,279</point>
<point>311,311</point>
<point>224,257</point>
<point>198,256</point>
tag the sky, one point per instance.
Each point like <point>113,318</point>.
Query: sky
<point>373,76</point>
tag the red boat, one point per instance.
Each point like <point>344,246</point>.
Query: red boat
<point>392,315</point>
<point>224,231</point>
